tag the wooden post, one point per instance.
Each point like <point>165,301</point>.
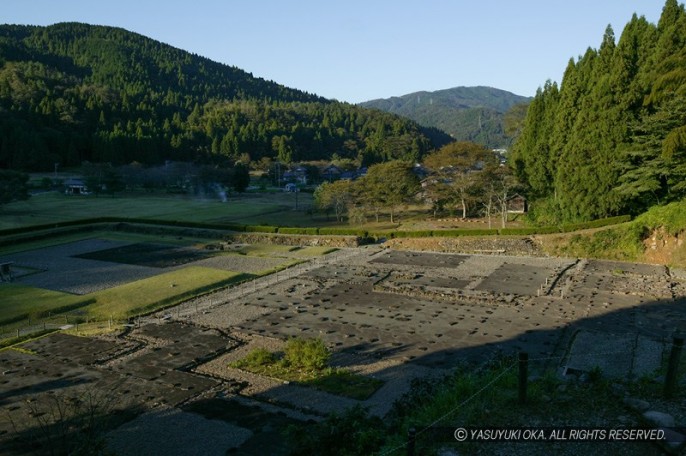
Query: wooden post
<point>673,367</point>
<point>523,376</point>
<point>411,438</point>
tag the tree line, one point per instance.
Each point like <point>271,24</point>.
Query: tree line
<point>462,177</point>
<point>71,93</point>
<point>611,138</point>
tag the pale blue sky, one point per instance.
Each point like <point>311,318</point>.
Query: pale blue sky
<point>357,50</point>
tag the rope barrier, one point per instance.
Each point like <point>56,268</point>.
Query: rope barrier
<point>454,409</point>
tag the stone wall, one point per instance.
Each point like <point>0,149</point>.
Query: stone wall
<point>294,239</point>
<point>495,245</point>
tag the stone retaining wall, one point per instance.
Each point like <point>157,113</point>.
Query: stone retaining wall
<point>495,245</point>
<point>295,239</point>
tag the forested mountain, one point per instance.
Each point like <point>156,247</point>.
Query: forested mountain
<point>466,113</point>
<point>611,138</point>
<point>73,92</point>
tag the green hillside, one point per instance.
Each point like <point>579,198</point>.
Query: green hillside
<point>74,92</point>
<point>466,113</point>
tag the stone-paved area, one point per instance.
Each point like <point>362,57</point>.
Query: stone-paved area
<point>393,315</point>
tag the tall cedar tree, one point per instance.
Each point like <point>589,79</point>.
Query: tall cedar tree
<point>617,141</point>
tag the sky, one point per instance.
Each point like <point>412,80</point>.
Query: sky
<point>358,50</point>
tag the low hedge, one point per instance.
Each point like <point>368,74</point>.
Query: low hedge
<point>412,234</point>
<point>470,232</point>
<point>528,231</point>
<point>313,231</point>
<point>261,229</point>
<point>595,223</point>
<point>343,232</point>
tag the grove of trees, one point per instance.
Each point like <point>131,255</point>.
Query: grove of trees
<point>611,138</point>
<point>386,186</point>
<point>463,177</point>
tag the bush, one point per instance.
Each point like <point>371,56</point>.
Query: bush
<point>259,357</point>
<point>307,354</point>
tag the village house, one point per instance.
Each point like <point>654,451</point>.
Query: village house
<point>75,187</point>
<point>517,204</point>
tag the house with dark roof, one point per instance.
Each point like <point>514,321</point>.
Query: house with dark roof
<point>517,204</point>
<point>75,187</point>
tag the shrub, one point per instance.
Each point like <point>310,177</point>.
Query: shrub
<point>307,354</point>
<point>259,357</point>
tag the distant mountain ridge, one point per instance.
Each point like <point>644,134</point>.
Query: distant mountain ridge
<point>466,113</point>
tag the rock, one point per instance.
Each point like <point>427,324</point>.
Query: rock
<point>659,418</point>
<point>562,388</point>
<point>636,404</point>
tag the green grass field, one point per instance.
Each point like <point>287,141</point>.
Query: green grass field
<point>21,302</point>
<point>163,290</point>
<point>53,207</point>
